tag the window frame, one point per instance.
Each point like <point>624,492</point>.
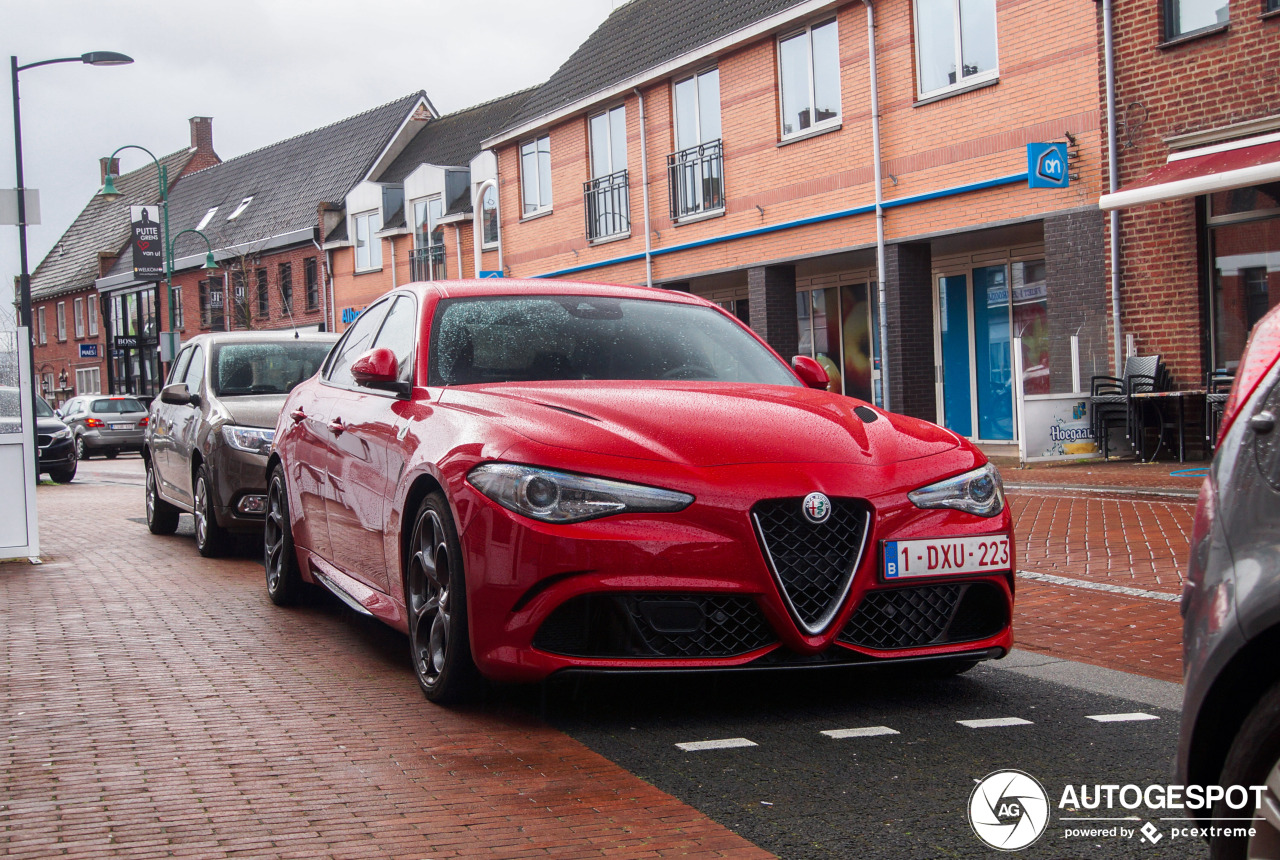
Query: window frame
<point>830,122</point>
<point>263,285</point>
<point>87,374</point>
<point>545,201</point>
<point>963,83</point>
<point>77,314</point>
<point>1169,14</point>
<point>60,317</point>
<point>373,244</point>
<point>91,311</point>
<point>311,282</point>
<point>487,244</point>
<point>284,277</point>
<point>179,321</point>
<point>42,335</point>
<point>697,112</point>
<point>593,148</point>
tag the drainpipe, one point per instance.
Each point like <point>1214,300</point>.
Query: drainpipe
<point>644,187</point>
<point>392,241</point>
<point>477,228</point>
<point>457,239</point>
<point>324,299</point>
<point>875,154</point>
<point>332,318</point>
<point>1113,178</point>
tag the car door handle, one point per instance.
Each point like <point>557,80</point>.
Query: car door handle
<point>336,427</point>
<point>297,415</point>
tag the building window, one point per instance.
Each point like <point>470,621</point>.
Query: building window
<point>61,316</point>
<point>696,170</point>
<point>1187,16</point>
<point>1244,244</point>
<point>208,216</point>
<point>179,323</point>
<point>41,336</point>
<point>809,79</point>
<point>79,316</point>
<point>212,306</point>
<point>264,297</point>
<point>240,296</point>
<point>88,380</point>
<point>93,316</point>
<point>535,174</point>
<point>1271,6</point>
<point>427,261</point>
<point>244,204</point>
<point>311,278</point>
<point>955,43</point>
<point>286,288</point>
<point>46,386</point>
<point>368,245</point>
<point>489,215</point>
<point>607,195</point>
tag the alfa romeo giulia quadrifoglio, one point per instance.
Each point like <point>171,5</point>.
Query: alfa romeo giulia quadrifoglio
<point>532,477</point>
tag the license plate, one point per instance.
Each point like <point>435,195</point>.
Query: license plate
<point>945,556</point>
<point>121,426</point>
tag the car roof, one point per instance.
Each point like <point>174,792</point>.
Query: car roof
<point>273,336</point>
<point>479,287</point>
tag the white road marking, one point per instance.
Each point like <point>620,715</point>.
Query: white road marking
<point>1122,718</point>
<point>727,743</point>
<point>1099,586</point>
<point>867,732</point>
<point>995,722</point>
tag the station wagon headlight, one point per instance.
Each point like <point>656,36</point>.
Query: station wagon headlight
<point>563,497</point>
<point>254,440</point>
<point>977,492</point>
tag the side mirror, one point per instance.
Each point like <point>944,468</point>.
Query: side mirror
<point>379,369</point>
<point>810,372</point>
<point>178,395</point>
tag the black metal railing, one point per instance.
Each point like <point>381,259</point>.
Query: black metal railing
<point>428,264</point>
<point>696,178</point>
<point>608,205</point>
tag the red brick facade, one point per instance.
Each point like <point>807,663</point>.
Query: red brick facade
<point>1217,79</point>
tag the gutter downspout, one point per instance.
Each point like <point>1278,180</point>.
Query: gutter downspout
<point>875,150</point>
<point>324,299</point>
<point>457,239</point>
<point>497,199</point>
<point>477,224</point>
<point>331,318</point>
<point>1112,179</point>
<point>392,241</point>
<point>644,187</point>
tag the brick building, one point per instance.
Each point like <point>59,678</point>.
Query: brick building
<point>264,214</point>
<point>1197,90</point>
<point>412,219</point>
<point>68,331</point>
<point>729,149</point>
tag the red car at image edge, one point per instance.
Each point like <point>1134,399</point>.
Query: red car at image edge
<point>529,477</point>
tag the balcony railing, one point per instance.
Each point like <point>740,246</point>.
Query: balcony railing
<point>608,206</point>
<point>696,178</point>
<point>428,264</point>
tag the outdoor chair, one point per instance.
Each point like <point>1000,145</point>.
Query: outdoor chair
<point>1217,388</point>
<point>1110,398</point>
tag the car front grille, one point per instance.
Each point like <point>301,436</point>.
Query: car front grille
<point>922,615</point>
<point>648,625</point>
<point>812,563</point>
<point>44,440</point>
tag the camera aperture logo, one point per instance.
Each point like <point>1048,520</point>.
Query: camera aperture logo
<point>1008,810</point>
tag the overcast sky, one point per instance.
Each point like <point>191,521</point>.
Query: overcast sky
<point>264,70</point>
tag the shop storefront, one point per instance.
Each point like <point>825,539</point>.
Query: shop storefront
<point>1243,227</point>
<point>133,347</point>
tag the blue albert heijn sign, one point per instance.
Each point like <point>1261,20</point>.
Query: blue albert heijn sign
<point>491,273</point>
<point>1047,165</point>
<point>88,350</point>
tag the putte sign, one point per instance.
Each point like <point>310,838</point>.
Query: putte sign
<point>148,248</point>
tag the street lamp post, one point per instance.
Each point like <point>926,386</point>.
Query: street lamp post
<point>93,58</point>
<point>109,193</point>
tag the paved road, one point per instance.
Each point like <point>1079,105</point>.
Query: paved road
<point>155,703</point>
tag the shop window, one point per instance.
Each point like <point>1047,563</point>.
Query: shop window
<point>1030,299</point>
<point>535,175</point>
<point>368,245</point>
<point>955,44</point>
<point>1182,17</point>
<point>809,79</point>
<point>835,330</point>
<point>1244,241</point>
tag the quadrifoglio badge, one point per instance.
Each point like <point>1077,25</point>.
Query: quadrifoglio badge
<point>1009,810</point>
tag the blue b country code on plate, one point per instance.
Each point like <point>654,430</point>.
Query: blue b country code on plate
<point>946,556</point>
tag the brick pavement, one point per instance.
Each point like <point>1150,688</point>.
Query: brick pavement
<point>155,704</point>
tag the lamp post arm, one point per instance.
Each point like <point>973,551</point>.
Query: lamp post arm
<point>17,68</point>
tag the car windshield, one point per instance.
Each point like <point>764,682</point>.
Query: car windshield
<point>538,338</point>
<point>43,409</point>
<point>117,405</point>
<point>265,368</point>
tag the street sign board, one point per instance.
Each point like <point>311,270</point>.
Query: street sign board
<point>1047,165</point>
<point>148,247</point>
<point>9,206</point>
<point>88,350</point>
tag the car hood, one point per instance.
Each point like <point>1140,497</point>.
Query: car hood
<point>705,424</point>
<point>49,425</point>
<point>254,410</point>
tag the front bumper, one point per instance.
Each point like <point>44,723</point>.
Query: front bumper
<point>58,454</point>
<point>240,488</point>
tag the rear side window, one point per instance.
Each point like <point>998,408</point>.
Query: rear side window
<point>117,406</point>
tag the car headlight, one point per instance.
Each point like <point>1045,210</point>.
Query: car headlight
<point>562,497</point>
<point>978,492</point>
<point>64,433</point>
<point>254,440</point>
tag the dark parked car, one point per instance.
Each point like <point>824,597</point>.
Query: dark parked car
<point>1231,606</point>
<point>56,453</point>
<point>212,426</point>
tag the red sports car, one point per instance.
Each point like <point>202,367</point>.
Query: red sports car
<point>529,477</point>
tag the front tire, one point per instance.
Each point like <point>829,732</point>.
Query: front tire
<point>82,450</point>
<point>64,476</point>
<point>1254,759</point>
<point>284,582</point>
<point>162,517</point>
<point>436,598</point>
<point>212,539</point>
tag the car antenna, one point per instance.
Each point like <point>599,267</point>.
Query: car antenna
<point>288,309</point>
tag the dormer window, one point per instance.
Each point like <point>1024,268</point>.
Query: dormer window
<point>208,216</point>
<point>244,204</point>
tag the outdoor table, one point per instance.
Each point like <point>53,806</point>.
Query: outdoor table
<point>1159,400</point>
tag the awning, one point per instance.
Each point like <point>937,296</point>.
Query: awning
<point>1205,170</point>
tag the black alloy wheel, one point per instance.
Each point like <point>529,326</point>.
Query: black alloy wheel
<point>212,540</point>
<point>284,582</point>
<point>162,517</point>
<point>436,597</point>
